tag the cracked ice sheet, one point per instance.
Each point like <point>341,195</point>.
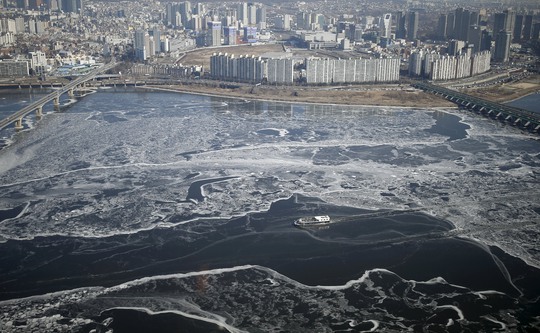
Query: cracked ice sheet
<point>99,170</point>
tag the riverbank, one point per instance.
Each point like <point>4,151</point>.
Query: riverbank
<point>392,95</point>
<point>508,92</point>
<point>388,95</point>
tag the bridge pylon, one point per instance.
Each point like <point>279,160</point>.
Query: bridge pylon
<point>56,102</point>
<point>18,124</point>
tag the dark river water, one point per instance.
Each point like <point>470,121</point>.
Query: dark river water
<point>137,211</point>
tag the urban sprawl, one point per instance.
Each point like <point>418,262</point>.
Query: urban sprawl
<point>320,42</point>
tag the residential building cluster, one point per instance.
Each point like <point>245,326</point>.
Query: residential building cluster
<point>317,70</point>
<point>67,6</point>
<point>508,26</point>
<point>158,33</point>
<point>448,67</point>
<point>35,63</point>
<point>327,71</point>
<point>249,68</point>
<point>166,70</point>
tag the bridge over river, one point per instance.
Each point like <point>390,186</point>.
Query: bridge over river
<point>37,106</point>
<point>504,113</point>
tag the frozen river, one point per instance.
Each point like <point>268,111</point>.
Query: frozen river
<point>177,209</point>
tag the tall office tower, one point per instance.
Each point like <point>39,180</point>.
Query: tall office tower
<point>412,27</point>
<point>450,25</point>
<point>80,6</point>
<point>518,27</point>
<point>156,34</point>
<point>214,33</point>
<point>502,46</point>
<point>462,29</point>
<point>242,12</point>
<point>386,26</point>
<point>475,38</point>
<point>351,34</point>
<point>442,26</point>
<point>536,31</point>
<point>34,4</point>
<point>458,17</point>
<point>485,43</point>
<point>499,23</point>
<point>401,32</point>
<point>139,44</point>
<point>185,13</point>
<point>474,18</point>
<point>229,35</point>
<point>69,6</point>
<point>527,27</point>
<point>510,20</point>
<point>169,14</point>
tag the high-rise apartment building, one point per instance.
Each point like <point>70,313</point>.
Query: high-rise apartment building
<point>280,71</point>
<point>214,33</point>
<point>139,45</point>
<point>327,71</point>
<point>185,13</point>
<point>386,26</point>
<point>230,35</point>
<point>242,12</point>
<point>156,39</point>
<point>449,67</point>
<point>283,22</point>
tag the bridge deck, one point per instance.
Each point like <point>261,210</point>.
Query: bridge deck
<point>513,115</point>
<point>55,94</point>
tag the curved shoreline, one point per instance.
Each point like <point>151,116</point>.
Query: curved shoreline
<point>224,94</point>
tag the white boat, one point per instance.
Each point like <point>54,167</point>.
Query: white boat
<point>313,221</point>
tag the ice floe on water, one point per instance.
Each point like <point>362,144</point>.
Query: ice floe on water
<point>254,298</point>
<point>106,182</point>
